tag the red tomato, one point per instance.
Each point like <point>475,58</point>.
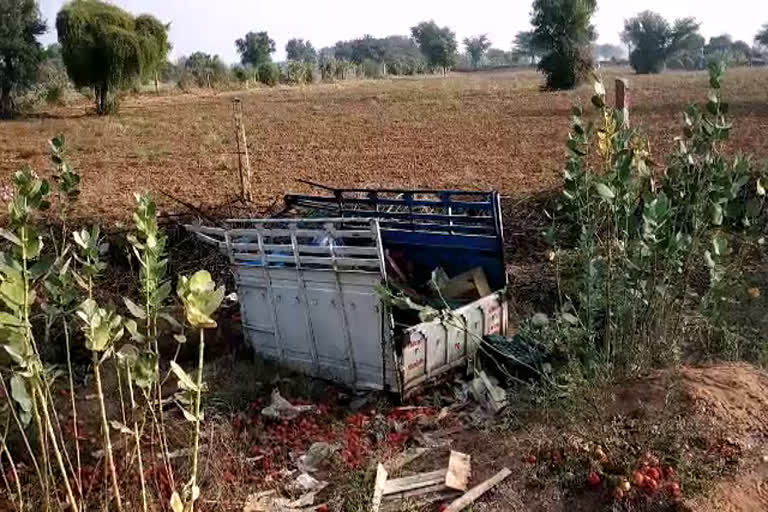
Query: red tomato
<point>654,473</point>
<point>638,478</point>
<point>674,489</point>
<point>669,472</point>
<point>531,459</point>
<point>593,479</point>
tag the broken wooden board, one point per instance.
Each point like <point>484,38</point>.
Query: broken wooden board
<point>471,284</point>
<point>493,398</point>
<point>459,471</point>
<point>473,494</point>
<point>378,488</point>
<point>410,483</point>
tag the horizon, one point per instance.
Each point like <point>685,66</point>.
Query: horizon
<point>318,22</point>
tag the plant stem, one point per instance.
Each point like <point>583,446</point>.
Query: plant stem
<point>74,407</point>
<point>105,429</point>
<point>197,416</point>
<point>138,439</point>
<point>56,449</point>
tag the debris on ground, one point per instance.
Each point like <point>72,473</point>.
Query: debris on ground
<point>473,494</point>
<point>317,454</point>
<point>268,501</point>
<point>428,487</point>
<point>488,394</point>
<point>282,409</point>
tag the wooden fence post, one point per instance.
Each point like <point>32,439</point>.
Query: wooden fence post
<point>243,160</point>
<point>623,99</point>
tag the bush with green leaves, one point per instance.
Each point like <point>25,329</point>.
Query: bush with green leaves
<point>60,285</point>
<point>268,74</point>
<point>653,264</point>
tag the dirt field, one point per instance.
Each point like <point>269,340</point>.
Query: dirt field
<point>478,131</point>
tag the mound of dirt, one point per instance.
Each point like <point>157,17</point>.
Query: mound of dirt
<point>745,493</point>
<point>728,398</point>
<point>731,397</point>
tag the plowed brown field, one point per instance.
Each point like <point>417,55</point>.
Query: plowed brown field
<point>477,131</point>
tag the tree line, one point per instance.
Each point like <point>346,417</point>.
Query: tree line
<point>105,49</point>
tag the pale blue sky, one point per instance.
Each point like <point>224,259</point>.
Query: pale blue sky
<point>213,26</point>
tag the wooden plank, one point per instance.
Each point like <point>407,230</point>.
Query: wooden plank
<point>378,488</point>
<point>459,471</point>
<point>471,283</point>
<point>441,491</point>
<point>419,481</point>
<point>477,491</point>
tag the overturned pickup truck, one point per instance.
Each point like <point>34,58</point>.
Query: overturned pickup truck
<point>310,282</point>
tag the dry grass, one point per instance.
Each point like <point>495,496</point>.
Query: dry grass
<point>484,130</point>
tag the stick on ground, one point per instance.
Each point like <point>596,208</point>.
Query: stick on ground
<point>474,493</point>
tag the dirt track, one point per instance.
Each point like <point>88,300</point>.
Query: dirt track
<point>476,131</point>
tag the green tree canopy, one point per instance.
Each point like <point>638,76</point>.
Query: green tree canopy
<point>105,47</point>
<point>476,48</point>
<point>761,37</point>
<point>206,69</point>
<point>563,31</point>
<point>301,50</point>
<point>20,53</point>
<point>437,44</point>
<point>256,48</point>
<point>653,40</point>
<point>523,45</point>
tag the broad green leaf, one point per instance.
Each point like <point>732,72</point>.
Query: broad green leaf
<point>716,214</point>
<point>188,415</point>
<point>185,381</point>
<point>570,319</point>
<point>605,191</point>
<point>144,373</point>
<point>171,321</point>
<point>719,246</point>
<point>10,320</point>
<point>10,237</point>
<point>134,309</point>
<point>20,394</point>
<point>133,330</point>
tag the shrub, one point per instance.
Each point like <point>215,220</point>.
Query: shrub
<point>299,72</point>
<point>372,69</point>
<point>268,73</point>
<point>630,284</point>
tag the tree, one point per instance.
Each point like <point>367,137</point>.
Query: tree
<point>300,50</point>
<point>105,47</point>
<point>437,44</point>
<point>206,69</point>
<point>476,48</point>
<point>497,58</point>
<point>653,40</point>
<point>563,30</point>
<point>20,53</point>
<point>157,33</point>
<point>762,37</point>
<point>524,45</point>
<point>255,48</point>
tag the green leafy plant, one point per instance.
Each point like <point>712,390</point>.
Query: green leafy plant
<point>201,299</point>
<point>628,282</point>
